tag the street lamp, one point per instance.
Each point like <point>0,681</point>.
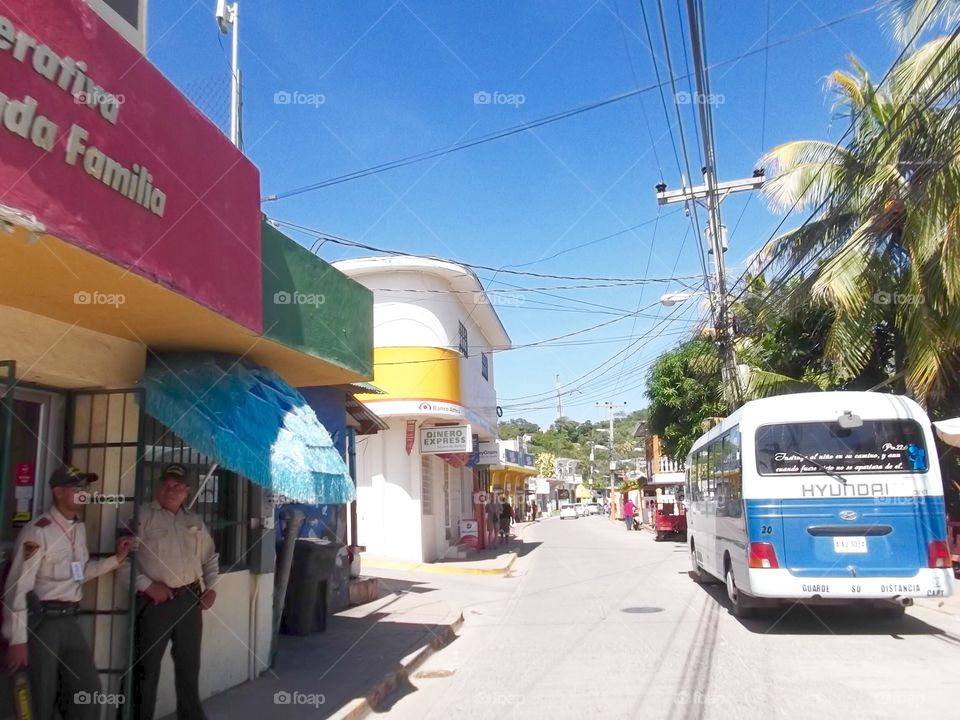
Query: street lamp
<point>671,299</point>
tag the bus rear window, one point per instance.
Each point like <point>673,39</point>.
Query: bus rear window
<point>878,446</point>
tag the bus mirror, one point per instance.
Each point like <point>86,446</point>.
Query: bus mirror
<point>848,420</point>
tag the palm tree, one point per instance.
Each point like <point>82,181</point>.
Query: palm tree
<point>908,17</point>
<point>881,249</point>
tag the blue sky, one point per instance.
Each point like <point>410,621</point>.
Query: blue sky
<point>379,80</point>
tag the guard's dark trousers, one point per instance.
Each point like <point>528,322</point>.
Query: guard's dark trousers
<point>59,659</point>
<point>179,620</point>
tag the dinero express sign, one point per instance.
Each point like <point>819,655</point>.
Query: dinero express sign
<point>446,439</point>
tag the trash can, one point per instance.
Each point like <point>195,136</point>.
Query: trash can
<point>305,609</point>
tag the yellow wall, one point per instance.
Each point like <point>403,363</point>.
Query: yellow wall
<point>59,354</point>
<point>412,373</point>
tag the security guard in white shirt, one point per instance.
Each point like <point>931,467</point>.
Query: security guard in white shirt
<point>175,553</point>
<point>51,562</point>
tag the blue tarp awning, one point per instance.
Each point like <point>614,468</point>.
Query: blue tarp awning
<point>251,421</point>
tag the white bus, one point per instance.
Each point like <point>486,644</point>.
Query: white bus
<point>827,497</point>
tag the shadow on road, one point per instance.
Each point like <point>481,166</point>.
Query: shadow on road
<point>399,587</point>
<point>796,618</point>
<point>521,547</point>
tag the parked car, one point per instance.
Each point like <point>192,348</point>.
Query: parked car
<point>592,508</point>
<point>569,511</point>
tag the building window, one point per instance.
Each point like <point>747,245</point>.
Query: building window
<point>224,502</point>
<point>485,366</point>
<point>464,346</point>
<point>426,484</point>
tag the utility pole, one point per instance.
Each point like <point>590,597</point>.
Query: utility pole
<point>559,401</point>
<point>709,196</point>
<point>610,406</point>
<point>228,17</point>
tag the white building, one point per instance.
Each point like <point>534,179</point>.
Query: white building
<point>435,335</point>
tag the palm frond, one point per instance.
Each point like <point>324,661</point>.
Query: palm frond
<point>796,247</point>
<point>802,173</point>
<point>850,340</point>
<point>763,383</point>
<point>928,74</point>
<point>906,17</point>
<point>849,90</point>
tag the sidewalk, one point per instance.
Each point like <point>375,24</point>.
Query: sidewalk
<point>365,653</point>
<point>494,560</point>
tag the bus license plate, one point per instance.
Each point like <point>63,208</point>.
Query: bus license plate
<point>850,544</point>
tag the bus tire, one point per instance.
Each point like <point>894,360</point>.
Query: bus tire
<point>699,575</point>
<point>738,607</point>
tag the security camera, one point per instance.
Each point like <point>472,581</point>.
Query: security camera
<point>223,16</point>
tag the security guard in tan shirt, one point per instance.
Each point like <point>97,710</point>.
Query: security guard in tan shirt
<point>51,561</point>
<point>175,552</point>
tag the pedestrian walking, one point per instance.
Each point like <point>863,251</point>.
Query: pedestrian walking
<point>42,598</point>
<point>629,510</point>
<point>493,519</point>
<point>533,511</point>
<point>176,552</point>
<point>506,515</point>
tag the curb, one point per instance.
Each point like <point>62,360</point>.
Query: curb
<point>440,569</point>
<point>444,568</point>
<point>364,706</point>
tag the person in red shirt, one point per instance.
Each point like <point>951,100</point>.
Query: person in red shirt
<point>629,510</point>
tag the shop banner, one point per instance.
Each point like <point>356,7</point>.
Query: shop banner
<point>446,439</point>
<point>99,149</point>
<point>411,435</point>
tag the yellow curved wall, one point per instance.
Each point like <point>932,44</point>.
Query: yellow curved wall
<point>416,373</point>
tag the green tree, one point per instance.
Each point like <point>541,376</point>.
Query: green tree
<point>684,389</point>
<point>546,467</point>
<point>512,429</point>
<point>883,251</point>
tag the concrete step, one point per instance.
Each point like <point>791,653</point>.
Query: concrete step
<point>364,590</point>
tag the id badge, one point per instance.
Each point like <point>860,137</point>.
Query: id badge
<point>76,570</point>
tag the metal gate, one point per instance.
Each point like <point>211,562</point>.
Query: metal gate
<point>104,436</point>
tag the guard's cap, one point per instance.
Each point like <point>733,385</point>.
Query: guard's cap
<point>69,476</point>
<point>175,471</point>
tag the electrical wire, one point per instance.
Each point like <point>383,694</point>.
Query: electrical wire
<point>774,287</point>
<point>496,135</point>
<point>328,237</point>
<point>636,85</point>
<point>660,87</point>
<point>691,206</point>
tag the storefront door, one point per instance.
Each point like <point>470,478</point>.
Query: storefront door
<point>32,431</point>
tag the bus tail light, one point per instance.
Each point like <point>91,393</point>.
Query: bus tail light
<point>938,555</point>
<point>763,555</point>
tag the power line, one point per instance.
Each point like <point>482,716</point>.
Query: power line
<point>570,384</point>
<point>328,237</point>
<point>693,97</point>
<point>766,62</point>
<point>879,138</point>
<point>692,211</point>
<point>594,241</point>
<point>660,85</point>
<point>497,135</point>
<point>636,85</point>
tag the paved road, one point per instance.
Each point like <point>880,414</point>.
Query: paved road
<point>597,622</point>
